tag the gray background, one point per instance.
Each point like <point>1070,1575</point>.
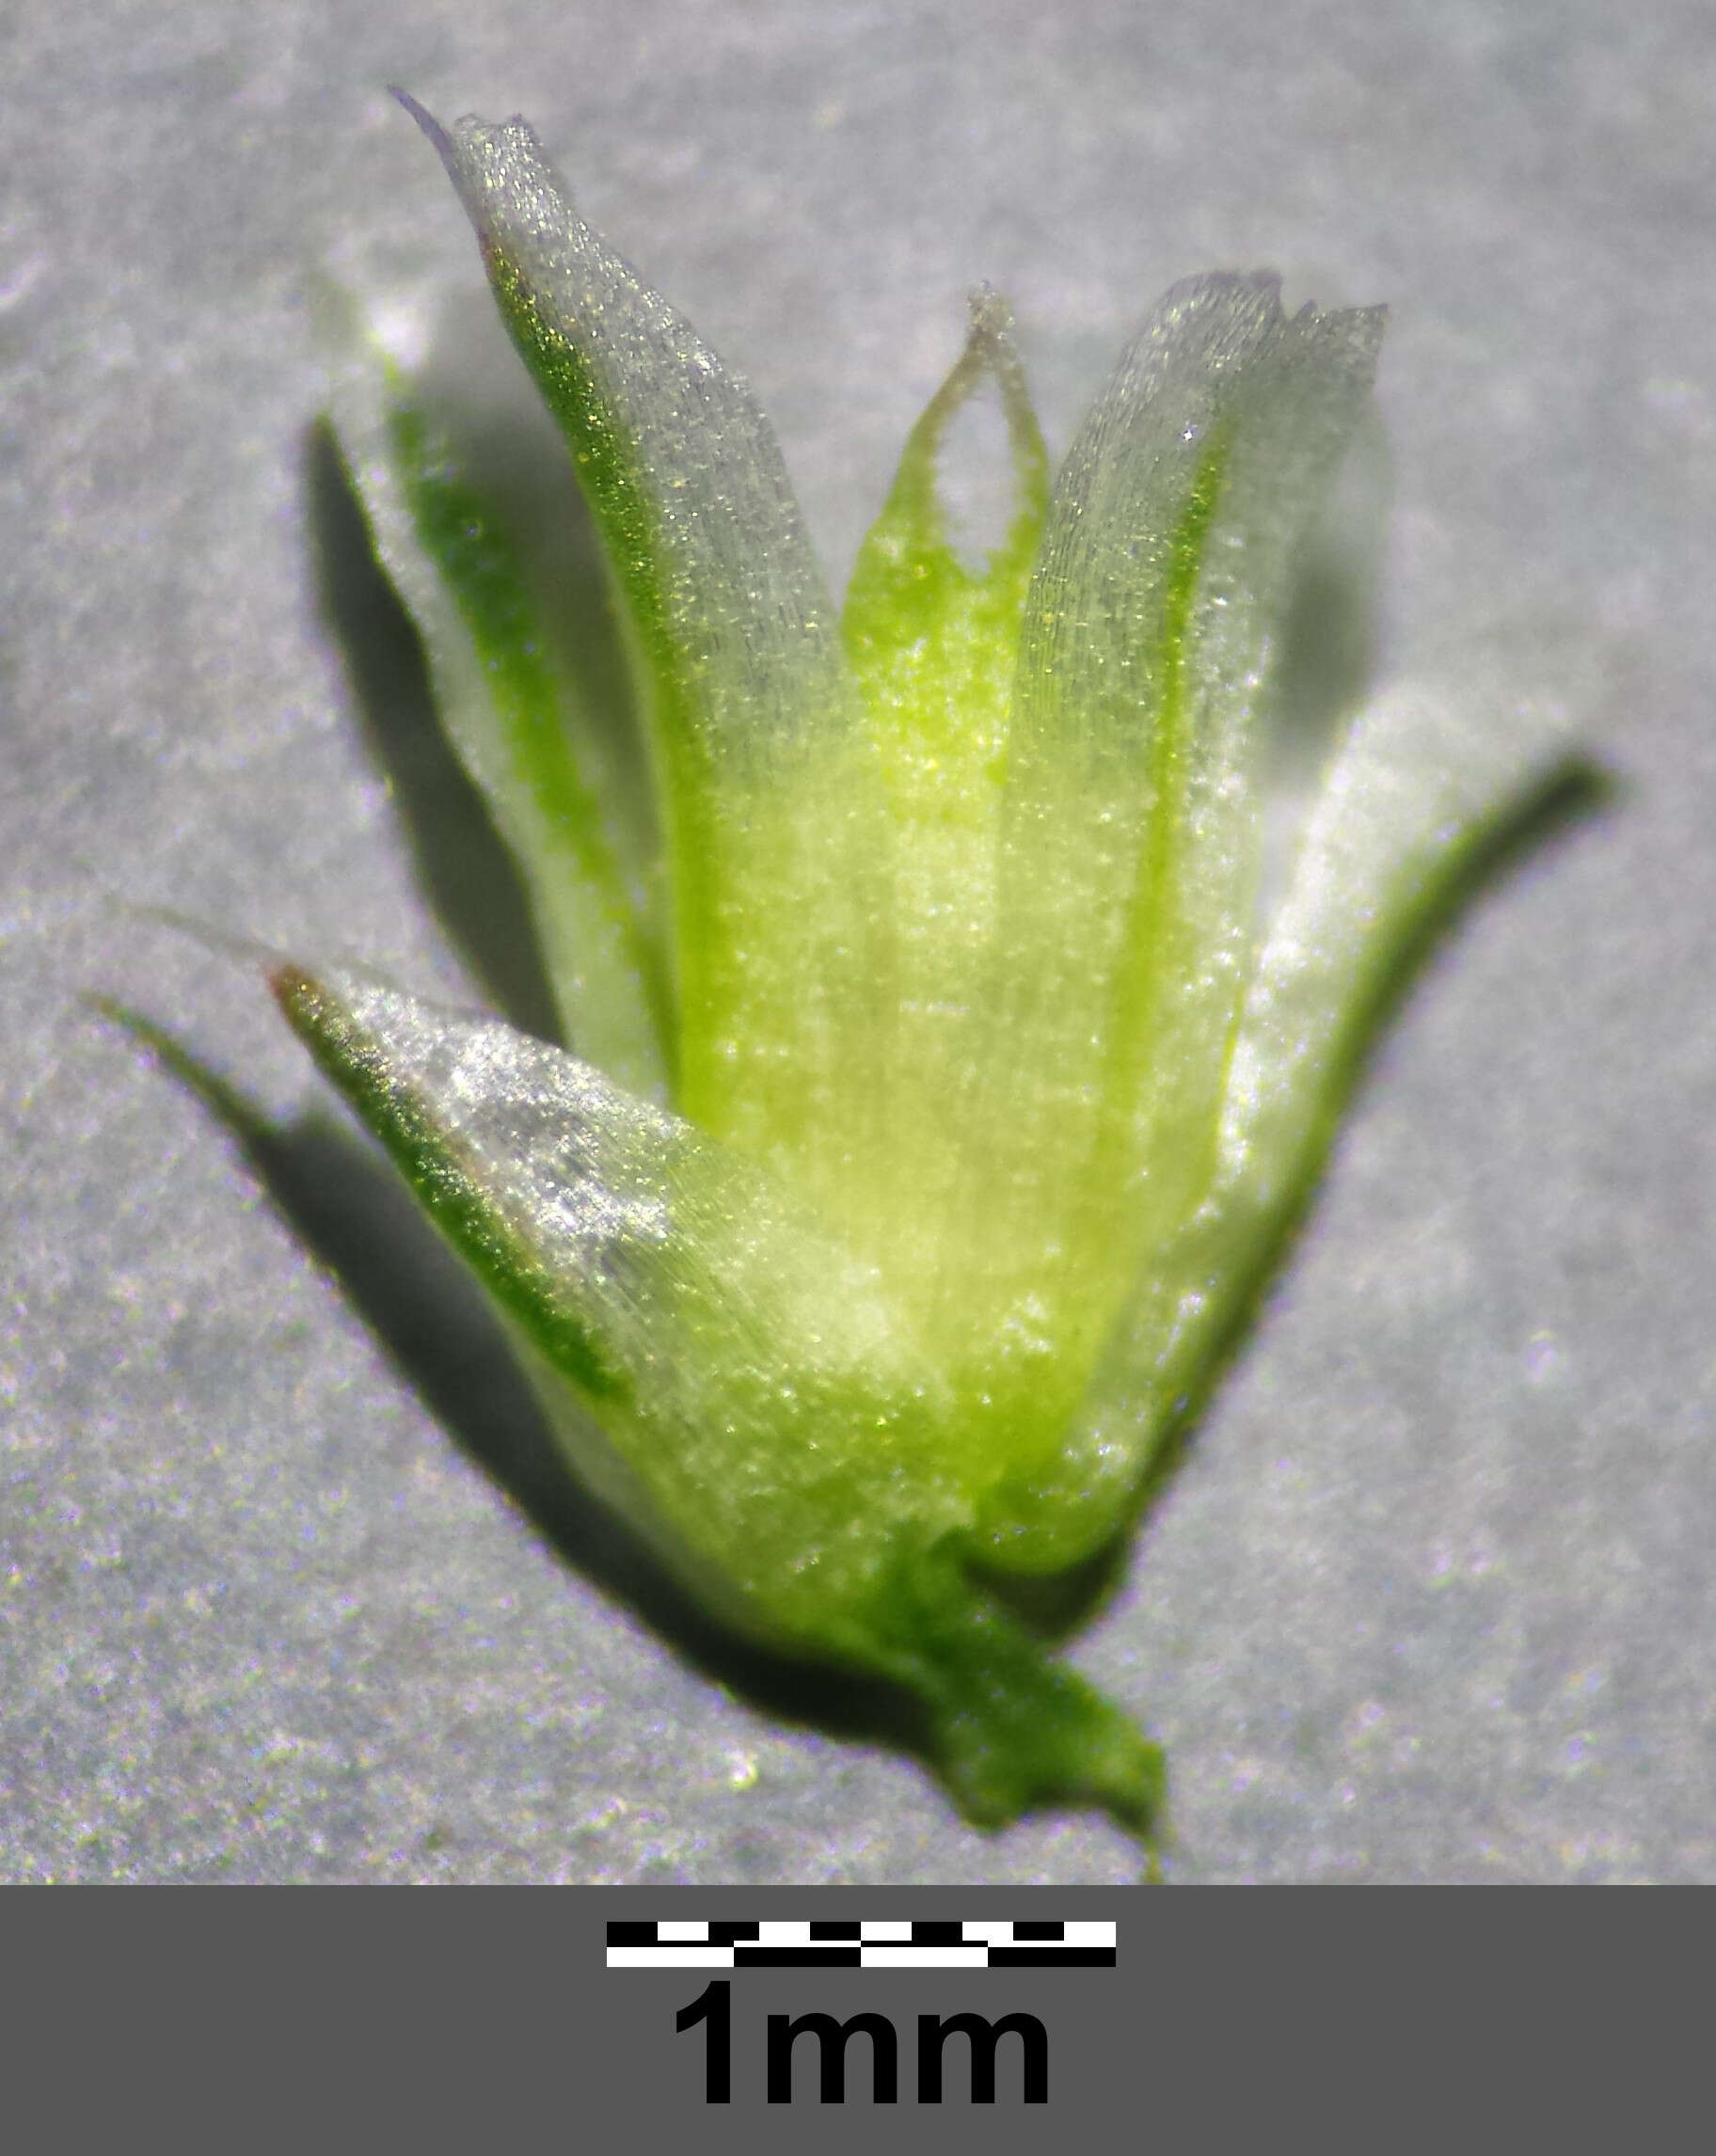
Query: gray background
<point>1431,1598</point>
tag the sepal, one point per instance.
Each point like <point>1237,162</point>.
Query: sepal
<point>739,1387</point>
<point>778,848</point>
<point>513,715</point>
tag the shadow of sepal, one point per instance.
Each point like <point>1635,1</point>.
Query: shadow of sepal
<point>344,1203</point>
<point>465,873</point>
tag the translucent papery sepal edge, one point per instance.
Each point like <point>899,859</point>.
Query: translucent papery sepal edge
<point>1131,834</point>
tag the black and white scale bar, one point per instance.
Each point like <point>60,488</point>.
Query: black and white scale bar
<point>980,1943</point>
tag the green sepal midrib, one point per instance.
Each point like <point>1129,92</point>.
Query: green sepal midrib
<point>487,587</point>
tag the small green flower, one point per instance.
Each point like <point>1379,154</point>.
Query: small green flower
<point>933,1098</point>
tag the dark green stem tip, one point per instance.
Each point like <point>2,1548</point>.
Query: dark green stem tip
<point>1008,1728</point>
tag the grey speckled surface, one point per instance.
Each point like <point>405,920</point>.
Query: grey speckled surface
<point>1433,1596</point>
